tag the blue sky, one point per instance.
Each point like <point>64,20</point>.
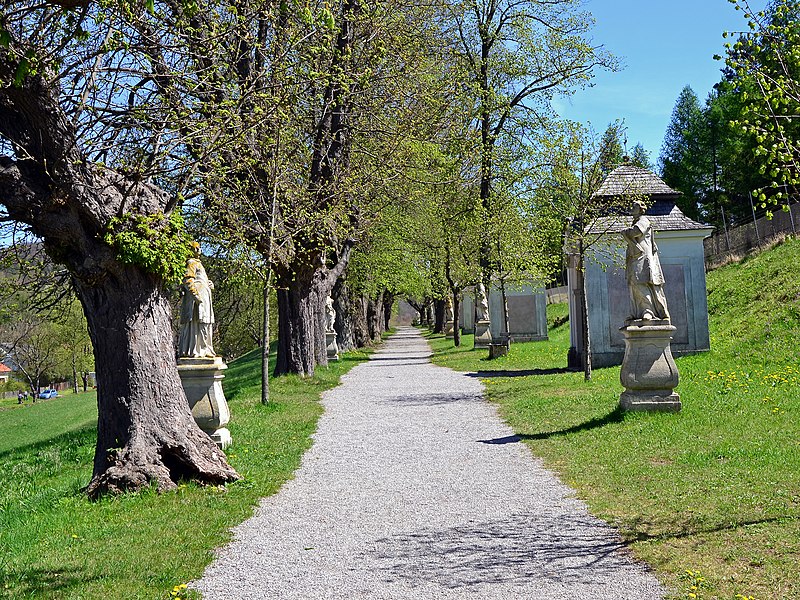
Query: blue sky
<point>663,45</point>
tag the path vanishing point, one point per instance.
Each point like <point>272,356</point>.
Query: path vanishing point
<point>414,488</point>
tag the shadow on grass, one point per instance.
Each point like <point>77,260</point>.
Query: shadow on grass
<point>78,437</point>
<point>520,373</point>
<point>615,416</point>
<point>44,583</point>
<point>634,535</point>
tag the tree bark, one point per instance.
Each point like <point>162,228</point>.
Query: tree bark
<point>145,430</point>
<point>298,324</point>
<point>375,318</point>
<point>360,327</point>
<point>146,433</point>
<point>388,305</point>
<point>456,310</point>
<point>343,325</point>
<point>439,314</point>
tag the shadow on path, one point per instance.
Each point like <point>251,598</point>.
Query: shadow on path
<point>560,547</point>
<point>615,416</point>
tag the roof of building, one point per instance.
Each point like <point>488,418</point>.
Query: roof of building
<point>663,216</point>
<point>628,180</point>
<point>4,368</point>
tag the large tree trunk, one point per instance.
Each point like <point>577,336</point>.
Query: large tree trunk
<point>299,309</point>
<point>345,337</point>
<point>388,305</point>
<point>360,327</point>
<point>438,316</point>
<point>375,318</point>
<point>145,430</point>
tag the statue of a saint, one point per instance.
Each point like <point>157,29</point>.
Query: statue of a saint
<point>448,310</point>
<point>481,304</point>
<point>643,269</point>
<point>330,315</point>
<point>197,313</point>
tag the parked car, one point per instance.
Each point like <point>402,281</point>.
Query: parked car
<point>48,393</point>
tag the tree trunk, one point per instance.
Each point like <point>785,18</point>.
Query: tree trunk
<point>456,311</point>
<point>439,315</point>
<point>375,318</point>
<point>429,319</point>
<point>360,326</point>
<point>586,356</point>
<point>145,433</point>
<point>388,305</point>
<point>299,307</point>
<point>145,430</point>
<point>343,325</point>
<point>265,340</point>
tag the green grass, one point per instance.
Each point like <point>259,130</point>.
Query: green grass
<point>56,544</point>
<point>714,489</point>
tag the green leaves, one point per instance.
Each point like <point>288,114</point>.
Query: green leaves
<point>157,243</point>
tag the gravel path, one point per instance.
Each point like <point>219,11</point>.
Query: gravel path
<point>414,488</point>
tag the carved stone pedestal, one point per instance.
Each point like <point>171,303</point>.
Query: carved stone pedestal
<point>331,345</point>
<point>449,329</point>
<point>649,374</point>
<point>202,382</point>
<point>483,337</point>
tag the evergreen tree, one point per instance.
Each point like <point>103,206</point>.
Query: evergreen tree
<point>612,149</point>
<point>683,159</point>
<point>641,157</point>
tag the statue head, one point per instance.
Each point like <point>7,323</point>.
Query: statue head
<point>195,247</point>
<point>638,209</point>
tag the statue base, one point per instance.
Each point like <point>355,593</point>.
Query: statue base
<point>331,345</point>
<point>449,329</point>
<point>649,373</point>
<point>497,350</point>
<point>483,336</point>
<point>202,383</point>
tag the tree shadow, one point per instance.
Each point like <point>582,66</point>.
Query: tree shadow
<point>615,416</point>
<point>545,550</point>
<point>76,437</point>
<point>34,582</point>
<point>519,373</point>
<point>428,399</point>
<point>638,528</point>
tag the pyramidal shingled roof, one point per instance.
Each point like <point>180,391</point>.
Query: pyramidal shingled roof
<point>630,180</point>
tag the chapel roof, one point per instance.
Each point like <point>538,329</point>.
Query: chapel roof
<point>663,216</point>
<point>630,180</point>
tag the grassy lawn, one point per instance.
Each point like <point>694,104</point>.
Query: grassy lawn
<point>715,489</point>
<point>56,544</point>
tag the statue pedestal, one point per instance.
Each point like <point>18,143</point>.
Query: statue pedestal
<point>483,337</point>
<point>331,345</point>
<point>202,382</point>
<point>496,350</point>
<point>649,374</point>
<point>449,329</point>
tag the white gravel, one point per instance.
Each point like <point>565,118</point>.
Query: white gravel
<point>401,496</point>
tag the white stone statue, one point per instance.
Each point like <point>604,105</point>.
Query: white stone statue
<point>481,303</point>
<point>330,315</point>
<point>197,312</point>
<point>643,269</point>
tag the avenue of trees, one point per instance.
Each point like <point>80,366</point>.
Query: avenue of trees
<point>363,150</point>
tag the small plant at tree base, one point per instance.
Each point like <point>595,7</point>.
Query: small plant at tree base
<point>158,243</point>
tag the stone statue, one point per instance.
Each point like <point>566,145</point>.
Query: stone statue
<point>330,314</point>
<point>481,303</point>
<point>449,316</point>
<point>197,313</point>
<point>643,269</point>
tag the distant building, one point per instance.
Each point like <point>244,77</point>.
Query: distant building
<point>680,248</point>
<point>5,373</point>
<point>527,312</point>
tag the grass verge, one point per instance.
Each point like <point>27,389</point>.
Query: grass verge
<point>56,544</point>
<point>709,497</point>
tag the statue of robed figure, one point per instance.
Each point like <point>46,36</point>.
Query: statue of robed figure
<point>643,270</point>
